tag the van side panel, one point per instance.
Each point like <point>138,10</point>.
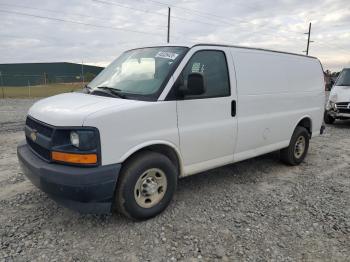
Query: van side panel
<point>275,91</point>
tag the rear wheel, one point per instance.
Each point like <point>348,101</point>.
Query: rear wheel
<point>146,185</point>
<point>295,153</point>
<point>328,119</point>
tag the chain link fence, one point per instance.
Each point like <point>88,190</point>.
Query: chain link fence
<point>41,85</point>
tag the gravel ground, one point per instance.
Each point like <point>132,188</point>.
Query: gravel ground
<point>256,210</point>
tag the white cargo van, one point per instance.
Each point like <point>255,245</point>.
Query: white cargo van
<point>338,105</point>
<point>157,114</point>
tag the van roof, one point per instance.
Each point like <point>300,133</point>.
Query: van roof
<point>236,46</point>
<point>254,48</point>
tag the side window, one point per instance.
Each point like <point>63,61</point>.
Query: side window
<point>212,64</point>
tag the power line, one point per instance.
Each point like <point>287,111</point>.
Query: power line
<point>55,11</point>
<point>85,24</point>
<point>39,9</point>
<point>77,22</point>
<point>218,18</point>
<point>152,12</point>
<point>123,6</point>
<point>89,24</point>
<point>181,19</point>
<point>127,7</point>
<point>110,3</point>
<point>197,12</point>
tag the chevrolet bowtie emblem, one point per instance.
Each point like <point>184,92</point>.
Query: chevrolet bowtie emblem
<point>33,135</point>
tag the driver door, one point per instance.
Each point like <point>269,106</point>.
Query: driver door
<point>207,123</point>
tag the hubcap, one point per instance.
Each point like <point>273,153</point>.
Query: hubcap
<point>150,188</point>
<point>299,147</point>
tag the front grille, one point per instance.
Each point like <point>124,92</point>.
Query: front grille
<point>39,127</point>
<point>343,103</point>
<point>343,107</point>
<point>41,151</point>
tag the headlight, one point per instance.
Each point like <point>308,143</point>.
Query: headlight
<point>331,105</point>
<point>74,138</point>
<point>78,146</point>
<point>83,139</point>
<point>333,97</point>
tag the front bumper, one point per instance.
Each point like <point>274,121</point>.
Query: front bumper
<point>338,110</point>
<point>84,189</point>
<point>336,114</point>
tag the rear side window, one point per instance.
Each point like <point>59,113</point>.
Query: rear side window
<point>212,64</point>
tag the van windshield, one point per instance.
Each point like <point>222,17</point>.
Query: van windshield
<point>139,73</point>
<point>344,78</point>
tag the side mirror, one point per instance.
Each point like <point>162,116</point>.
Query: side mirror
<point>195,85</point>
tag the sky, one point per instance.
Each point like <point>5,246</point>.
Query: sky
<point>97,31</point>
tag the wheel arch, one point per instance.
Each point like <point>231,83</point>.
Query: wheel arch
<point>305,122</point>
<point>163,147</point>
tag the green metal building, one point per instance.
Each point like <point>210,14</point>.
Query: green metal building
<point>24,74</point>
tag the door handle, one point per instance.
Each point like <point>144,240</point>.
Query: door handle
<point>233,108</point>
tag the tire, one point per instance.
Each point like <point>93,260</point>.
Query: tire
<point>292,155</point>
<point>328,119</point>
<point>146,170</point>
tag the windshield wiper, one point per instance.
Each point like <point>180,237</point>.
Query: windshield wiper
<point>113,91</point>
<point>86,89</point>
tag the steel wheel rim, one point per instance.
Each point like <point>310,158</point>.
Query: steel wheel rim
<point>150,188</point>
<point>299,147</point>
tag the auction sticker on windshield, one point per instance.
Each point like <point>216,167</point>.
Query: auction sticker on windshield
<point>167,55</point>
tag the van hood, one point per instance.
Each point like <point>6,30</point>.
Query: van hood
<point>71,109</point>
<point>341,92</point>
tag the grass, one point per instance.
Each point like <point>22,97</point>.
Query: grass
<point>38,91</point>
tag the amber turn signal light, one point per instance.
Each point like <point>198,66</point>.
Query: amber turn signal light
<point>74,158</point>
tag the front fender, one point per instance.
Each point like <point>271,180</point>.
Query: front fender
<point>141,146</point>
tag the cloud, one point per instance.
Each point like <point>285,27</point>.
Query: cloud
<point>270,24</point>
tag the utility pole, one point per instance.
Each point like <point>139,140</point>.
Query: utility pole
<point>28,88</point>
<point>82,71</point>
<point>168,39</point>
<point>2,80</point>
<point>308,40</point>
<point>45,78</point>
<point>2,85</point>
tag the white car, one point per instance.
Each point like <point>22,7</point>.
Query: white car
<point>158,114</point>
<point>338,105</point>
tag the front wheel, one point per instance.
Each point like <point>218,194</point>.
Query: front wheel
<point>146,185</point>
<point>295,153</point>
<point>328,119</point>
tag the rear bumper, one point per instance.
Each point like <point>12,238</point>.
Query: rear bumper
<point>87,190</point>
